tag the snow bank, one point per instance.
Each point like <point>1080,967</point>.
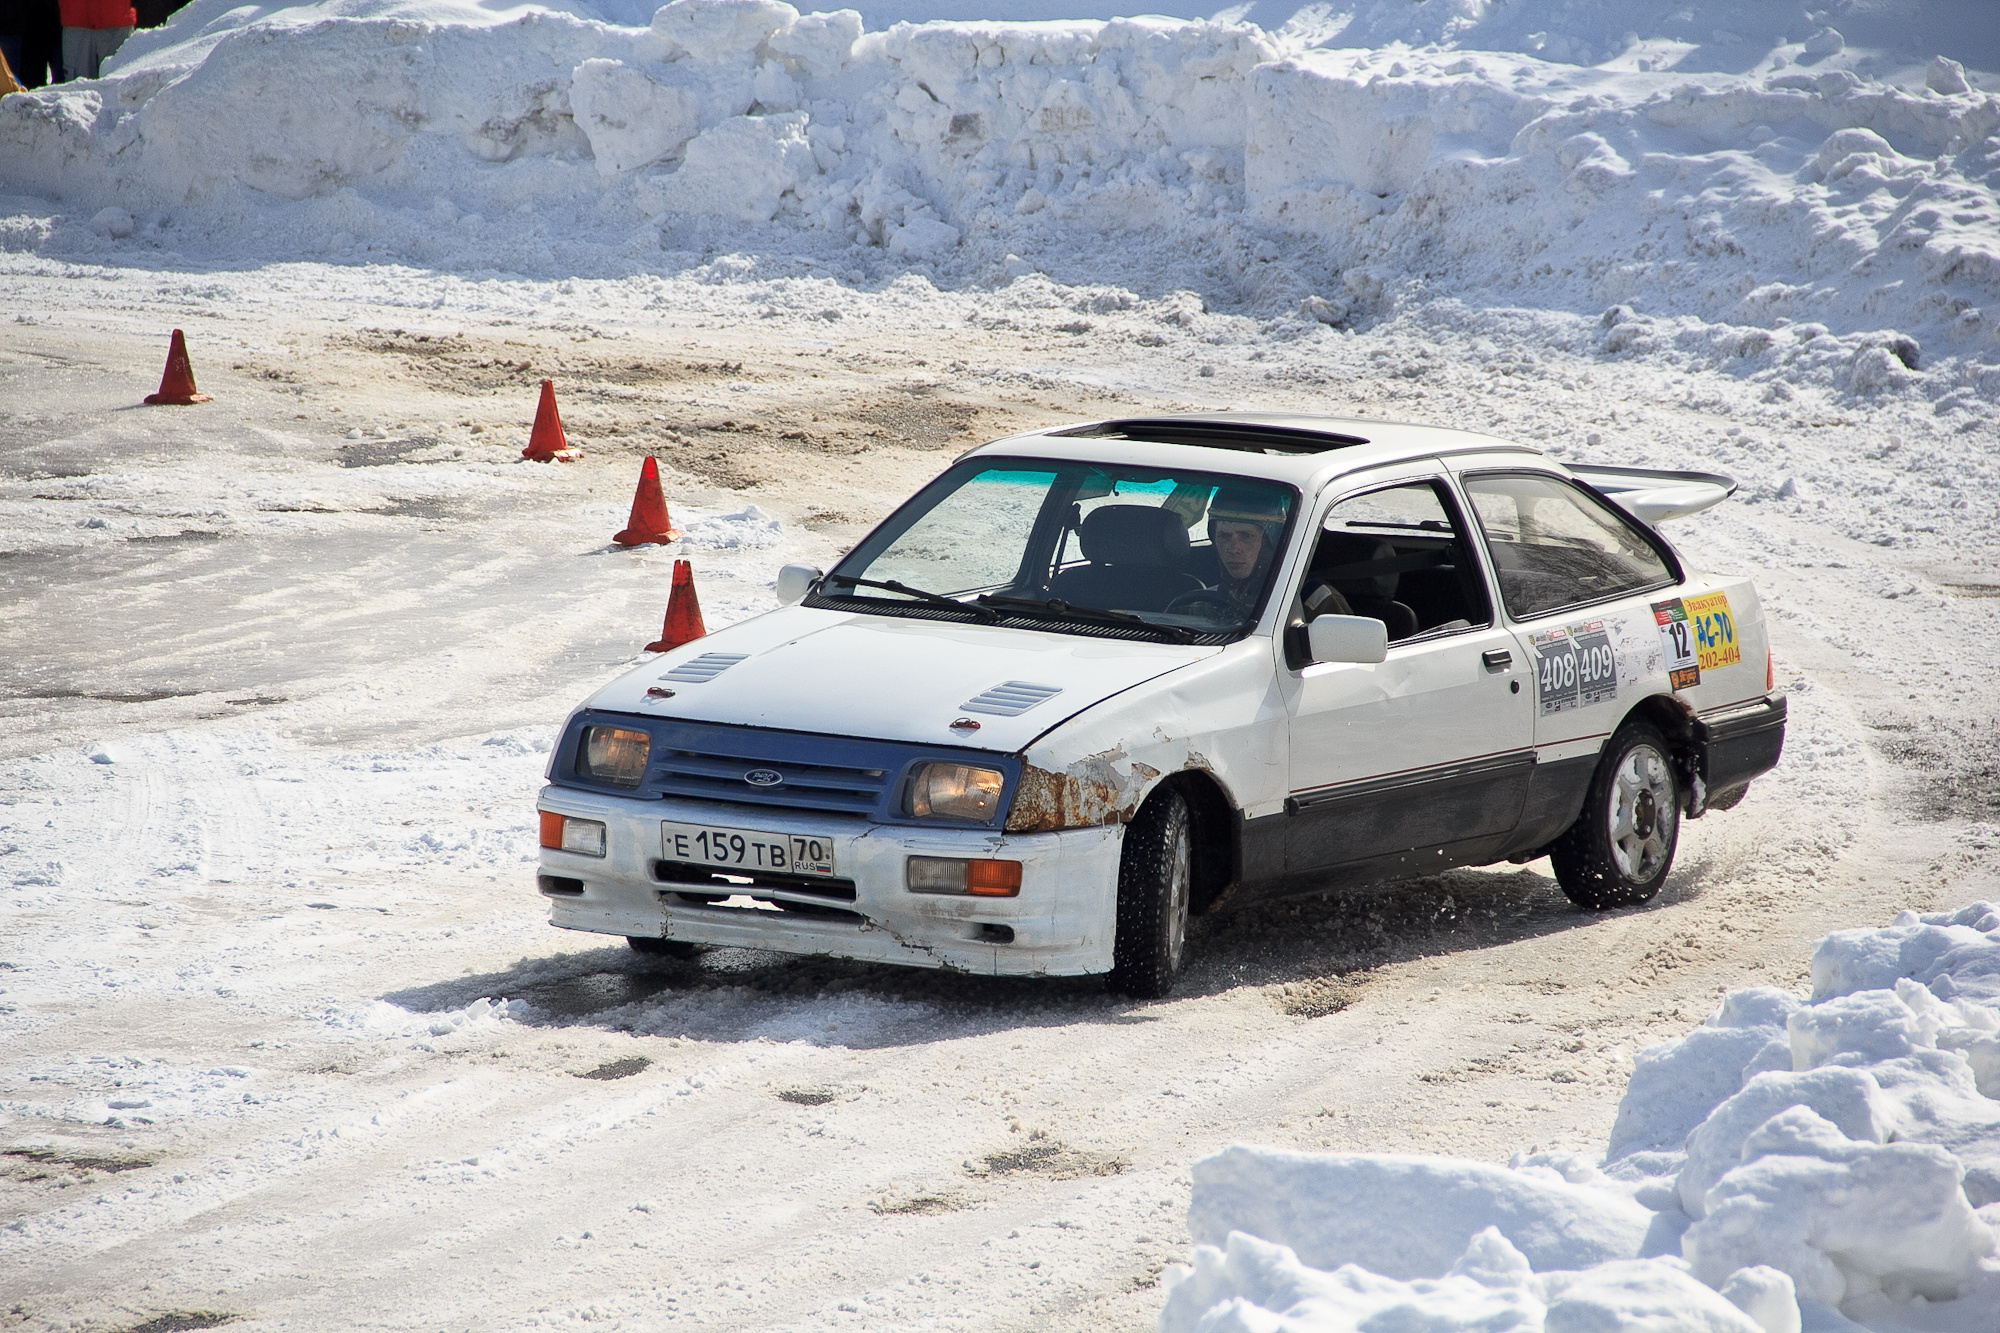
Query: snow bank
<point>1816,222</point>
<point>1787,1164</point>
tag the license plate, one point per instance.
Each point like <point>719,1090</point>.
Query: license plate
<point>746,850</point>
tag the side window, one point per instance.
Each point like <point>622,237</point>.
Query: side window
<point>1398,555</point>
<point>1555,545</point>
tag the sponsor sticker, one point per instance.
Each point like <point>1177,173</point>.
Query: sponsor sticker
<point>1575,667</point>
<point>1714,631</point>
<point>1677,639</point>
<point>1555,670</point>
<point>1596,664</point>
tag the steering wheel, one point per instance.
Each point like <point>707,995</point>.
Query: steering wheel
<point>1211,599</point>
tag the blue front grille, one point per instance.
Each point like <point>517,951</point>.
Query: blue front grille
<point>720,777</point>
<point>828,774</point>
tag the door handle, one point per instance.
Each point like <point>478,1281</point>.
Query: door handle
<point>1497,659</point>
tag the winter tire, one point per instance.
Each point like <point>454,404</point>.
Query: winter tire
<point>654,947</point>
<point>1154,876</point>
<point>1619,850</point>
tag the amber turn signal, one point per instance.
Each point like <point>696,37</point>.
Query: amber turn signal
<point>948,874</point>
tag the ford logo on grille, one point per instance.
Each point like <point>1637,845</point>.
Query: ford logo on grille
<point>763,777</point>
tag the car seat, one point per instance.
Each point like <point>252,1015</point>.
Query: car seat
<point>1348,562</point>
<point>1138,560</point>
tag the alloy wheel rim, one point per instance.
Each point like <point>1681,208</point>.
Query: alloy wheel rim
<point>1642,813</point>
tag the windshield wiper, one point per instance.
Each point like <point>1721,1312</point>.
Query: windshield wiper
<point>936,598</point>
<point>1056,606</point>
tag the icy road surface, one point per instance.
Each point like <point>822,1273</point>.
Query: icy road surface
<point>287,1037</point>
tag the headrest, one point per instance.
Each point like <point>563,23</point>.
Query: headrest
<point>1133,535</point>
<point>1339,552</point>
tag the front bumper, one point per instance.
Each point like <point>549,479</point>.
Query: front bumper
<point>1061,923</point>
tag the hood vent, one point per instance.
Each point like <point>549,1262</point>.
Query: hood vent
<point>706,667</point>
<point>1010,698</point>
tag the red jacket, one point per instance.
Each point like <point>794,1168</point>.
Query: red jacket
<point>98,14</point>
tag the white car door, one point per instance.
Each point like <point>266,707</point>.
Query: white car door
<point>1579,580</point>
<point>1421,761</point>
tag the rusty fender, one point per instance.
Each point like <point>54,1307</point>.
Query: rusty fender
<point>1099,789</point>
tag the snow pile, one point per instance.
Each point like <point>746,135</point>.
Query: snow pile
<point>749,528</point>
<point>1812,219</point>
<point>1827,1161</point>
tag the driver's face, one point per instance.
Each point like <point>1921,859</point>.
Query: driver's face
<point>1238,545</point>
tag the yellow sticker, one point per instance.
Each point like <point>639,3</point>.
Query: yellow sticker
<point>1715,642</point>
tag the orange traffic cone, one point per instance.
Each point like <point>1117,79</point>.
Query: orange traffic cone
<point>177,383</point>
<point>683,612</point>
<point>546,441</point>
<point>650,521</point>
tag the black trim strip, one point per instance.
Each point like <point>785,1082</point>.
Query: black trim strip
<point>1733,720</point>
<point>1467,770</point>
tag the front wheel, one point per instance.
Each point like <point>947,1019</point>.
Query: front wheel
<point>1154,876</point>
<point>1619,850</point>
<point>655,947</point>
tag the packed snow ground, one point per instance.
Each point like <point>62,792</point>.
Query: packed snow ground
<point>282,669</point>
<point>287,1036</point>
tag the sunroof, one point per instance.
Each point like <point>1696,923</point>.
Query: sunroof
<point>1243,436</point>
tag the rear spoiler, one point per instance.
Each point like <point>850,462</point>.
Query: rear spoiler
<point>1654,495</point>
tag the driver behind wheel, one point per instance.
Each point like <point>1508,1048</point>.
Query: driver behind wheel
<point>1244,525</point>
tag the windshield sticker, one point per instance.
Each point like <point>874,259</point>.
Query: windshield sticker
<point>1714,630</point>
<point>1574,667</point>
<point>1677,637</point>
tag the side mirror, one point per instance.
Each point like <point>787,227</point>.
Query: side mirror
<point>1348,639</point>
<point>795,581</point>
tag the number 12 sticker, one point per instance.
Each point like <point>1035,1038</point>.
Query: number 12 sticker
<point>1677,637</point>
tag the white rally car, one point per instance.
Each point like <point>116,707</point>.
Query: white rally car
<point>1093,679</point>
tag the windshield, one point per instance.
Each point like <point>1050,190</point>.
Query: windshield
<point>1081,545</point>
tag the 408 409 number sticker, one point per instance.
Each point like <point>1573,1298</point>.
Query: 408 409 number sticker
<point>1575,667</point>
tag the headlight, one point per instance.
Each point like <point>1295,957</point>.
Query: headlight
<point>953,791</point>
<point>613,754</point>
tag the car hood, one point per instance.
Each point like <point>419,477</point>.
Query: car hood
<point>887,677</point>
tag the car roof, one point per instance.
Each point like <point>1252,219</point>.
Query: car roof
<point>1304,449</point>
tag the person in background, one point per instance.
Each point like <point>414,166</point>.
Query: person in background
<point>92,31</point>
<point>31,38</point>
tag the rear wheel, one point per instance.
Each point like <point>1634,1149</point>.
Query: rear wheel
<point>654,947</point>
<point>1155,874</point>
<point>1619,850</point>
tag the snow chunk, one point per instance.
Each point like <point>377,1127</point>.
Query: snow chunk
<point>114,222</point>
<point>744,167</point>
<point>1964,946</point>
<point>722,29</point>
<point>1946,76</point>
<point>1403,1216</point>
<point>1252,1286</point>
<point>745,529</point>
<point>1847,1098</point>
<point>1841,1218</point>
<point>1677,1083</point>
<point>630,120</point>
<point>1766,1295</point>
